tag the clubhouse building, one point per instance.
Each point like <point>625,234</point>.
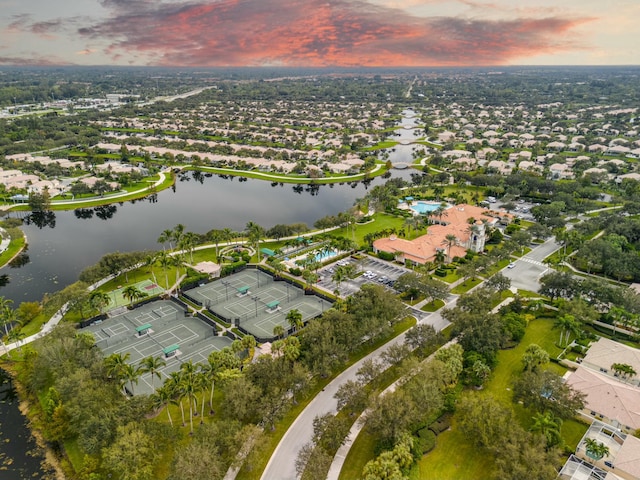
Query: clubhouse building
<point>467,223</point>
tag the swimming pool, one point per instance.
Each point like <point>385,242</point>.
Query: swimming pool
<point>321,257</point>
<point>424,207</point>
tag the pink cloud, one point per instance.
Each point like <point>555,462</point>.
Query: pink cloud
<point>312,33</point>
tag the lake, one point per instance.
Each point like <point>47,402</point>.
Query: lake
<point>64,243</point>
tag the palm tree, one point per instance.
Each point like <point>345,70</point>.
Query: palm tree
<point>149,261</point>
<point>291,349</point>
<point>227,235</point>
<point>99,300</point>
<point>165,261</point>
<point>114,365</point>
<point>165,237</point>
<point>174,385</point>
<point>189,387</point>
<point>277,266</point>
<point>177,232</point>
<point>15,336</point>
<point>152,365</point>
<point>6,314</point>
<point>449,240</point>
<point>440,256</point>
<point>131,374</point>
<point>162,398</point>
<point>278,331</point>
<point>549,426</point>
<point>255,233</point>
<point>595,449</point>
<point>215,236</point>
<point>294,317</point>
<point>339,276</point>
<point>567,324</point>
<point>188,243</point>
<point>8,318</point>
<point>132,293</point>
<point>176,261</point>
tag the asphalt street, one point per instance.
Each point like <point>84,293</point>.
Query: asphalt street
<point>281,466</point>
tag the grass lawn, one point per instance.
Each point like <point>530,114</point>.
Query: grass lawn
<point>360,453</point>
<point>432,306</point>
<point>455,456</point>
<point>16,244</point>
<point>382,221</point>
<point>466,285</point>
<point>572,432</point>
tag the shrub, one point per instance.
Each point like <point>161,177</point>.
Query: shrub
<point>440,272</point>
<point>424,442</point>
<point>295,271</point>
<point>443,423</point>
<point>386,256</point>
<point>232,268</point>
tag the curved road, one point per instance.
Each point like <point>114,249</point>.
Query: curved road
<point>281,466</point>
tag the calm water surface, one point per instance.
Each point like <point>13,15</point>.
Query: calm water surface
<point>66,244</point>
<point>20,458</point>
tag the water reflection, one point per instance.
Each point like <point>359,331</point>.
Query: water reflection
<point>41,219</point>
<point>81,237</point>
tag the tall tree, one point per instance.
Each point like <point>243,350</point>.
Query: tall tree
<point>152,365</point>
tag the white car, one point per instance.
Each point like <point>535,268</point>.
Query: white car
<point>511,265</point>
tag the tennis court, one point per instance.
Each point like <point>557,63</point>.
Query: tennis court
<point>257,303</point>
<point>157,329</point>
<point>148,287</point>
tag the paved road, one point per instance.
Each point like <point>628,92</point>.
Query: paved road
<point>527,270</point>
<point>281,466</point>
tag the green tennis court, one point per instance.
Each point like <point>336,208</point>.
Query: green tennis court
<point>148,287</point>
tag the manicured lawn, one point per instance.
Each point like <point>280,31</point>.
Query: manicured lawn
<point>360,453</point>
<point>382,221</point>
<point>432,306</point>
<point>15,245</point>
<point>572,432</point>
<point>466,286</point>
<point>455,457</point>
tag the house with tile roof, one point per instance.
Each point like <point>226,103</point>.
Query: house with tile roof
<point>607,398</point>
<point>622,461</point>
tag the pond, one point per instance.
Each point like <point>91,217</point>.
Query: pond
<point>20,457</point>
<point>62,244</point>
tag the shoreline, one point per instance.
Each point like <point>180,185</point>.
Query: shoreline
<point>163,184</point>
<point>51,462</point>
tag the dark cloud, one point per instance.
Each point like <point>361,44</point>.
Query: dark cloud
<point>43,28</point>
<point>314,33</point>
<point>18,22</point>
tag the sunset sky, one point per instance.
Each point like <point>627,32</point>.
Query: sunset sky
<point>320,33</point>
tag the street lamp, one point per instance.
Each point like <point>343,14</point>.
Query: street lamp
<point>255,299</point>
<point>226,288</point>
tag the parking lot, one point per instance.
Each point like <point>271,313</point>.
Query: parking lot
<point>373,270</point>
<point>522,208</point>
